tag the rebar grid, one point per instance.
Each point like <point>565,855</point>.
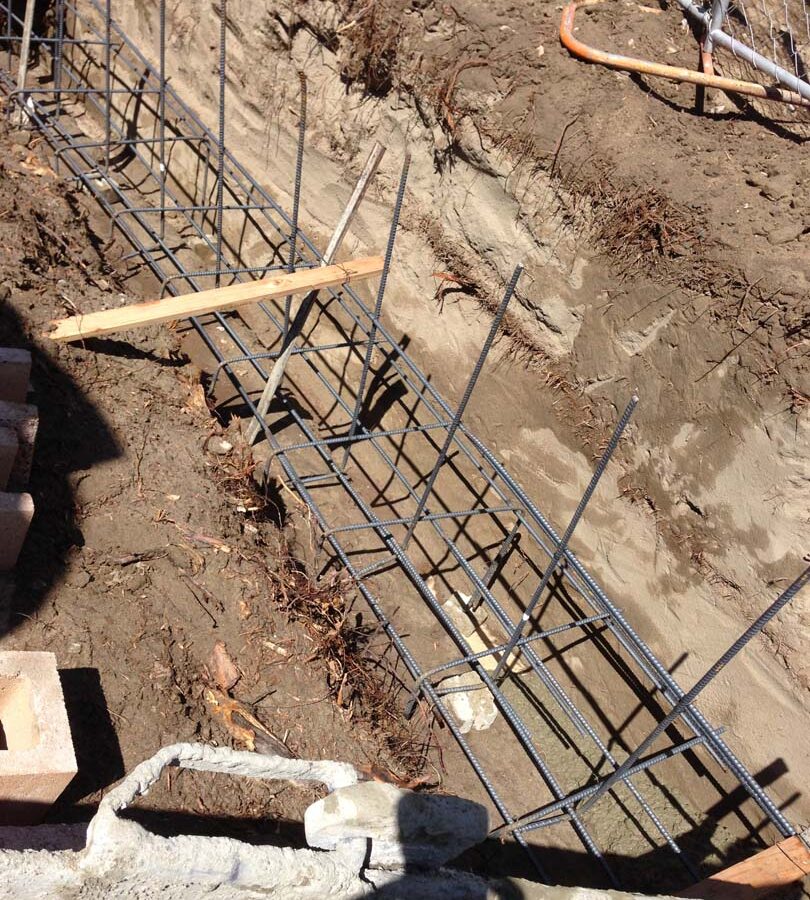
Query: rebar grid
<point>468,512</point>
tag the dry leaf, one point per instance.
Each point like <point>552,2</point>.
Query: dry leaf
<point>222,667</point>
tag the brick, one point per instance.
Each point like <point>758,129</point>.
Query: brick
<point>15,374</point>
<point>16,512</point>
<point>24,420</point>
<point>38,761</point>
<point>8,454</point>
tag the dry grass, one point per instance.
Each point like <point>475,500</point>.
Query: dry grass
<point>361,668</point>
<point>373,32</point>
<point>639,226</point>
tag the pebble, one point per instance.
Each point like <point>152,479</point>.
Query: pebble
<point>220,447</point>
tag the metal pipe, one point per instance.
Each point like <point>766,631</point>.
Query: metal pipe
<point>673,73</point>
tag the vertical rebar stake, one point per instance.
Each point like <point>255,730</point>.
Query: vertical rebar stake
<point>107,84</point>
<point>562,546</point>
<point>162,118</point>
<point>372,333</point>
<point>492,570</point>
<point>223,18</point>
<point>9,19</point>
<point>781,601</point>
<point>299,168</point>
<point>451,431</point>
<point>57,58</point>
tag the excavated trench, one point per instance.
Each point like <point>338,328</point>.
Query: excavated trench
<point>547,398</point>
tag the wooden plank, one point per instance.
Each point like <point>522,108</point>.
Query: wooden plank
<point>785,863</point>
<point>216,300</point>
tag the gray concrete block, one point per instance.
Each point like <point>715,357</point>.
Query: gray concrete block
<point>16,512</point>
<point>405,828</point>
<point>8,454</point>
<point>15,374</point>
<point>24,421</point>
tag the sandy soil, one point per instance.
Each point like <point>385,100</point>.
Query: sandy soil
<point>708,320</point>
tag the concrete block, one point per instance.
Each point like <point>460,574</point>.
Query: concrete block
<point>15,374</point>
<point>8,454</point>
<point>37,761</point>
<point>405,828</point>
<point>24,421</point>
<point>16,512</point>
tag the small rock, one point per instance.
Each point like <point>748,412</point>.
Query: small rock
<point>81,578</point>
<point>475,709</point>
<point>21,138</point>
<point>786,233</point>
<point>220,447</point>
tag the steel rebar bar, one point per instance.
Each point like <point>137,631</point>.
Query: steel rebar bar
<point>299,169</point>
<point>389,253</point>
<point>754,629</point>
<point>459,414</point>
<point>563,542</point>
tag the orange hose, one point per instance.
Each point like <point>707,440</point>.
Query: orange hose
<point>674,73</point>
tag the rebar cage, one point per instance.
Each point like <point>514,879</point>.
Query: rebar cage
<point>193,216</point>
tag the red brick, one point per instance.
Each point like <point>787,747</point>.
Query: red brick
<point>38,761</point>
<point>16,512</point>
<point>15,373</point>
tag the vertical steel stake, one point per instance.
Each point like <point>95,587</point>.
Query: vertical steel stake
<point>494,566</point>
<point>451,431</point>
<point>299,168</point>
<point>162,117</point>
<point>754,629</point>
<point>563,544</point>
<point>372,334</point>
<point>107,84</point>
<point>223,19</point>
<point>57,57</point>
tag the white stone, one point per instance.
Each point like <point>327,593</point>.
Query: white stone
<point>474,710</point>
